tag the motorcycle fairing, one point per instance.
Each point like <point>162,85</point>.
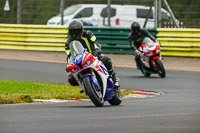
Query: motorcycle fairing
<point>109,91</point>
<point>87,56</point>
<point>79,61</point>
<point>148,49</point>
<point>96,66</point>
<point>155,57</point>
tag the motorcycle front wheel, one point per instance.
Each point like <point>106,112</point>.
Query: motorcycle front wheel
<point>95,94</point>
<point>160,68</point>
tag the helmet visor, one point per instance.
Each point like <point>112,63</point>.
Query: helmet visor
<point>136,29</point>
<point>76,33</point>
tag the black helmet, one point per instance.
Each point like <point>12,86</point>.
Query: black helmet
<point>135,27</point>
<point>75,29</point>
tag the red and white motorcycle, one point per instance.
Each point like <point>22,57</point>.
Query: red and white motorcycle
<point>150,58</point>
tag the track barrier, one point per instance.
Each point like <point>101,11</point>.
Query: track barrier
<point>175,41</point>
<point>33,37</point>
<point>179,42</point>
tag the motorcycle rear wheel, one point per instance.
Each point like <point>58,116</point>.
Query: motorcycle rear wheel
<point>117,99</point>
<point>160,68</point>
<point>95,95</point>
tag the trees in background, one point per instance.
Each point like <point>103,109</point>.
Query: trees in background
<point>39,11</point>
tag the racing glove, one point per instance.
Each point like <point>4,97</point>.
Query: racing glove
<point>66,69</point>
<point>96,53</point>
<point>137,52</point>
<point>67,59</point>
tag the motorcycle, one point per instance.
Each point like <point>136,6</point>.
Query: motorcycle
<point>92,76</point>
<point>150,58</point>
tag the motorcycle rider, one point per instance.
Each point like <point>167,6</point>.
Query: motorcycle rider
<point>135,38</point>
<point>89,41</point>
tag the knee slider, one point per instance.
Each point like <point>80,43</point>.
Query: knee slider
<point>72,80</point>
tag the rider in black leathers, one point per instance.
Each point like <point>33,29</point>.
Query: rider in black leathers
<point>88,40</point>
<point>135,39</point>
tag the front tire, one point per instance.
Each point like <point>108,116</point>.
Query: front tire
<point>95,95</point>
<point>160,68</point>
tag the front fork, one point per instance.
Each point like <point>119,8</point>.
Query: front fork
<point>93,77</point>
<point>153,61</point>
<point>91,70</point>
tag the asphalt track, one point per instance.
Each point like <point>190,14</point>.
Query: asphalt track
<point>177,110</point>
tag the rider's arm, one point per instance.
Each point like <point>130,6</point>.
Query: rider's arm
<point>96,46</point>
<point>147,34</point>
<point>67,50</point>
<point>131,42</point>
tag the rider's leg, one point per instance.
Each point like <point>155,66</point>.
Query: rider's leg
<point>137,60</point>
<point>72,80</point>
<point>108,64</point>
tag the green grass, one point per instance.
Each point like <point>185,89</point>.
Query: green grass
<point>24,92</point>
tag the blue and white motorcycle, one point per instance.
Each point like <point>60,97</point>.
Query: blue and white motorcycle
<point>92,76</point>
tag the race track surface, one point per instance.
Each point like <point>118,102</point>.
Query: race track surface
<point>176,110</point>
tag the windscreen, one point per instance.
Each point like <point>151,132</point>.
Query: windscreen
<point>146,40</point>
<point>76,48</point>
<point>70,10</point>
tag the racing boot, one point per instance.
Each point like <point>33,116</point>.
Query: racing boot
<point>116,81</point>
<point>137,61</point>
<point>114,78</point>
<point>138,66</point>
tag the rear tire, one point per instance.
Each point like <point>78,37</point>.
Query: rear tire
<point>117,99</point>
<point>95,96</point>
<point>160,68</point>
<point>146,74</point>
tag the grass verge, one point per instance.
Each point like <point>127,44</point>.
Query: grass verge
<point>12,92</point>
